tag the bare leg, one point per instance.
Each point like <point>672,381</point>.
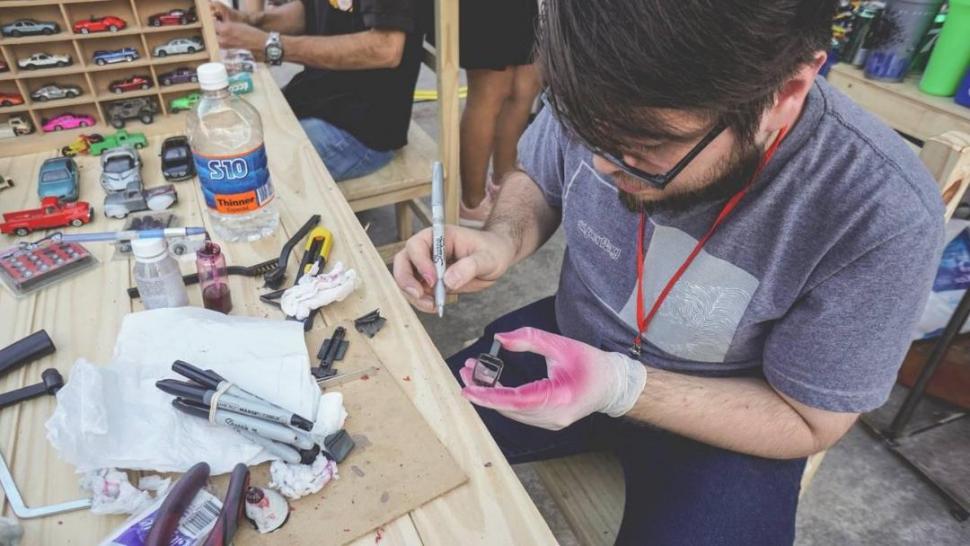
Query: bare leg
<point>514,118</point>
<point>487,92</point>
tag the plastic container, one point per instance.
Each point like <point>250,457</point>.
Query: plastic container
<point>857,49</point>
<point>157,275</point>
<point>226,136</point>
<point>951,55</point>
<point>897,36</point>
<point>210,263</point>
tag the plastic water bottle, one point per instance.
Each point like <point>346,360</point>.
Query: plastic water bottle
<point>226,136</point>
<point>157,275</point>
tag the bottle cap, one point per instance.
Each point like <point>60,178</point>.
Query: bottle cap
<point>148,249</point>
<point>213,76</point>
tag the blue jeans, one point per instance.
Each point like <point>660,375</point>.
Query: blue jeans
<point>678,491</point>
<point>345,156</point>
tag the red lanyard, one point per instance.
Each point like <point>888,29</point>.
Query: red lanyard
<point>643,321</point>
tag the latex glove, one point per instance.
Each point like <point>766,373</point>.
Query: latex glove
<point>581,380</point>
<point>313,291</point>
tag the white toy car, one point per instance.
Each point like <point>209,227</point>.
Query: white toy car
<point>44,60</point>
<point>179,46</point>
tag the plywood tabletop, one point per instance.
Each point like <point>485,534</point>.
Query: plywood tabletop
<point>84,313</point>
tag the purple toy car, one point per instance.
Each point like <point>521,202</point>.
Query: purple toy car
<point>179,75</point>
<point>67,121</point>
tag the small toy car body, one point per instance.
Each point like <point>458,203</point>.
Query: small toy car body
<point>10,99</point>
<point>81,145</point>
<point>134,199</point>
<point>53,91</point>
<point>241,83</point>
<point>120,169</point>
<point>176,16</point>
<point>58,177</point>
<point>131,84</point>
<point>67,121</point>
<point>52,213</point>
<point>29,27</point>
<point>179,75</point>
<point>142,108</point>
<point>108,23</point>
<point>179,46</point>
<point>176,157</point>
<point>44,60</point>
<point>119,138</point>
<point>3,66</point>
<point>102,57</point>
<point>238,60</point>
<point>186,102</point>
<point>15,126</point>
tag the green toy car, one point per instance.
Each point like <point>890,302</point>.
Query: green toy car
<point>120,138</point>
<point>187,102</point>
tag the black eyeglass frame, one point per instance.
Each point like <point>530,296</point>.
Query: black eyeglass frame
<point>658,181</point>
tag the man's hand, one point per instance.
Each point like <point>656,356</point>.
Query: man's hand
<point>479,257</point>
<point>241,36</point>
<point>226,14</point>
<point>582,380</point>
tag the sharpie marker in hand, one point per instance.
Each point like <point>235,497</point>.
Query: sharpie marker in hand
<point>438,234</point>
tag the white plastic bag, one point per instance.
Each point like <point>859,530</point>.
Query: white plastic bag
<point>114,416</point>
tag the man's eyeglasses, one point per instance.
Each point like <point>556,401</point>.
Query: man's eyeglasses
<point>658,181</point>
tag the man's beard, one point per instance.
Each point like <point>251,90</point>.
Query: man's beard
<point>729,177</point>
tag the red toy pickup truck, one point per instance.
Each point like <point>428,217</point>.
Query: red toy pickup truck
<point>52,213</point>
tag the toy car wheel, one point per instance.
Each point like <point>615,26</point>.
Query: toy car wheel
<point>183,20</point>
<point>84,123</point>
<point>72,92</point>
<point>194,78</point>
<point>166,81</point>
<point>21,231</point>
<point>139,145</point>
<point>84,30</point>
<point>161,53</point>
<point>58,128</point>
<point>113,28</point>
<point>66,151</point>
<point>62,63</point>
<point>5,102</point>
<point>147,119</point>
<point>155,22</point>
<point>77,222</point>
<point>116,90</point>
<point>100,62</point>
<point>94,138</point>
<point>15,33</point>
<point>47,31</point>
<point>129,58</point>
<point>192,50</point>
<point>145,86</point>
<point>118,124</point>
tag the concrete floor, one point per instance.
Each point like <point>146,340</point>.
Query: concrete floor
<point>861,495</point>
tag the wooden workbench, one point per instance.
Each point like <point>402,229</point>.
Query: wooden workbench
<point>83,314</point>
<point>902,105</point>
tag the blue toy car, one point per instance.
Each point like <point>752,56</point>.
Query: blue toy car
<point>58,178</point>
<point>102,57</point>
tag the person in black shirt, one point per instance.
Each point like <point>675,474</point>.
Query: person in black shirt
<point>361,56</point>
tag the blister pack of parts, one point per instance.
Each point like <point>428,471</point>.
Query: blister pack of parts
<point>34,266</point>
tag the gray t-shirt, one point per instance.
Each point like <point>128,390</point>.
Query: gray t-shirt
<point>815,280</point>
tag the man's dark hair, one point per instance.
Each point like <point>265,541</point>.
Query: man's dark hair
<point>606,61</point>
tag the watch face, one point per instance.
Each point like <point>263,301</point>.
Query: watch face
<point>274,52</point>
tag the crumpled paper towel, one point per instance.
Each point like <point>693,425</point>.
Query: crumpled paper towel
<point>114,416</point>
<point>299,480</point>
<point>112,493</point>
<point>314,290</point>
<point>330,416</point>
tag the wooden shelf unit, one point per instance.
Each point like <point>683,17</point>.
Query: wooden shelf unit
<point>91,78</point>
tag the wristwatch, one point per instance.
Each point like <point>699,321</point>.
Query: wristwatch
<point>274,49</point>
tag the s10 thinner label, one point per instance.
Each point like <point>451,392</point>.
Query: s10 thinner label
<point>235,184</point>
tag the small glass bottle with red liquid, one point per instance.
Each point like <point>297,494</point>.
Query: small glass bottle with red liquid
<point>210,263</point>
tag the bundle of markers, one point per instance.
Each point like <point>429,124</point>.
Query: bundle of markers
<point>209,396</point>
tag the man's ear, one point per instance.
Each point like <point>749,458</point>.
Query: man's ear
<point>788,103</point>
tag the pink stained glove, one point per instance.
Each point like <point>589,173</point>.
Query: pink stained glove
<point>581,380</point>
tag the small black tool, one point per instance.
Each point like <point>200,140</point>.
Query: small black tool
<point>241,270</point>
<point>52,382</point>
<point>371,323</point>
<point>333,349</point>
<point>489,367</point>
<point>28,349</point>
<point>338,445</point>
<point>274,279</point>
